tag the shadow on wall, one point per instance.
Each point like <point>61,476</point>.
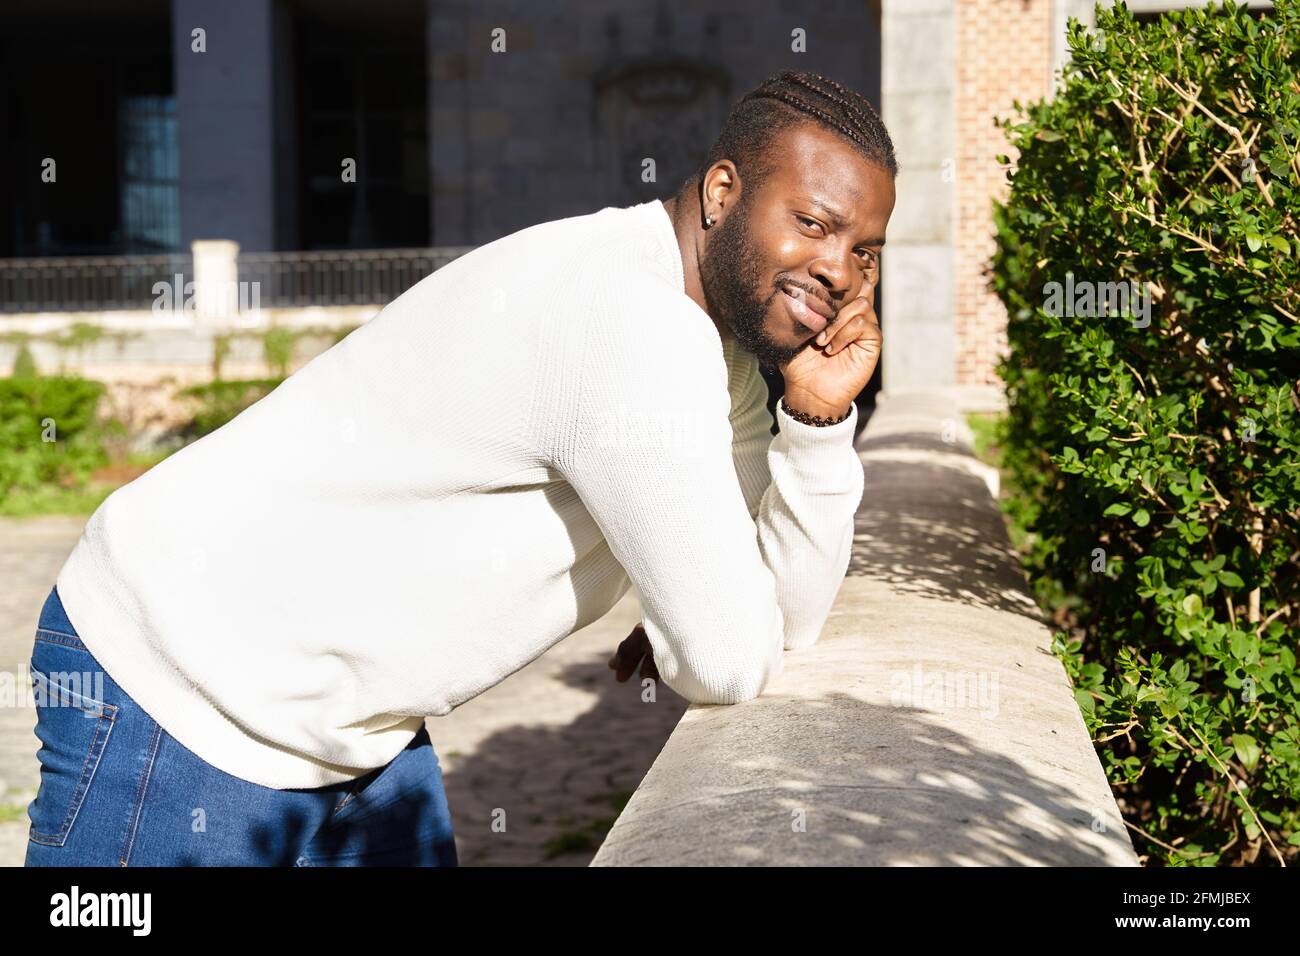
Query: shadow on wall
<point>895,786</point>
<point>951,546</point>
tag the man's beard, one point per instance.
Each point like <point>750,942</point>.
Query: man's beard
<point>733,289</point>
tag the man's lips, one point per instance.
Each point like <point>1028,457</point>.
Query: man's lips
<point>805,309</point>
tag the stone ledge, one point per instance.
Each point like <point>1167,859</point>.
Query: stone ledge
<point>930,724</point>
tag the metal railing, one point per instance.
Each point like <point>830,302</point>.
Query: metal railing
<point>343,277</point>
<point>285,279</point>
<point>88,284</point>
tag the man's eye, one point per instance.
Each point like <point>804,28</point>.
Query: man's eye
<point>866,254</point>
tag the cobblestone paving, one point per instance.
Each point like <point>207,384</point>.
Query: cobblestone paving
<point>552,752</point>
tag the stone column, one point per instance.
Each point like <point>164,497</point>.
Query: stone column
<point>1062,10</point>
<point>917,96</point>
<point>216,281</point>
<point>225,107</point>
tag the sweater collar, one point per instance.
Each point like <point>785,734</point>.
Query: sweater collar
<point>663,230</point>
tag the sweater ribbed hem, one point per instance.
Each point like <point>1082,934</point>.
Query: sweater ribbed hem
<point>812,437</point>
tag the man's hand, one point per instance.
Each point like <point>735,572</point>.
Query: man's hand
<point>826,376</point>
<point>634,647</point>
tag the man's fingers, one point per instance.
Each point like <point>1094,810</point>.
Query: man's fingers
<point>630,651</point>
<point>648,668</point>
<point>843,333</point>
<point>863,305</point>
<point>626,660</point>
<point>856,321</point>
<point>625,671</point>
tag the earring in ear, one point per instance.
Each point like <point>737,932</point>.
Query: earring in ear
<point>708,221</point>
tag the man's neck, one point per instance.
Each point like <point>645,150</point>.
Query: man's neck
<point>684,212</point>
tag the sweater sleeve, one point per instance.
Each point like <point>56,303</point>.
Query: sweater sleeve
<point>648,448</point>
<point>804,595</point>
<point>805,485</point>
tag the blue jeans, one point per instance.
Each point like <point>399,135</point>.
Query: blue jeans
<point>118,790</point>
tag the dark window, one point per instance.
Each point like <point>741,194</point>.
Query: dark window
<point>363,98</point>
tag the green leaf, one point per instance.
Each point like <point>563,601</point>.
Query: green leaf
<point>1254,241</point>
<point>1230,580</point>
<point>1280,244</point>
<point>1192,605</point>
<point>1141,517</point>
<point>1117,510</point>
<point>1084,699</point>
<point>1248,750</point>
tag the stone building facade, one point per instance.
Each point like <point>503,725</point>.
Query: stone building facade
<point>469,119</point>
<point>623,82</point>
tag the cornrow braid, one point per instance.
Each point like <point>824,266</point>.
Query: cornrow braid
<point>864,116</point>
<point>785,100</point>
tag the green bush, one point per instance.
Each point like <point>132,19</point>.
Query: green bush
<point>24,363</point>
<point>1158,450</point>
<point>222,400</point>
<point>277,348</point>
<point>49,432</point>
<point>220,352</point>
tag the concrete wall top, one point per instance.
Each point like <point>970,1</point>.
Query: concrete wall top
<point>930,724</point>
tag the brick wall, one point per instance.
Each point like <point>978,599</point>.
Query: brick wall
<point>1003,53</point>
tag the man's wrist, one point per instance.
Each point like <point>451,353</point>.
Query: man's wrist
<point>810,405</point>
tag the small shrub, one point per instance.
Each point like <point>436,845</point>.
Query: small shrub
<point>222,400</point>
<point>277,348</point>
<point>25,363</point>
<point>49,432</point>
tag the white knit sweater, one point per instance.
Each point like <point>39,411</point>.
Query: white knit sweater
<point>459,484</point>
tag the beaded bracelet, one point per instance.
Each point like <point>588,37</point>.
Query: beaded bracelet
<point>813,419</point>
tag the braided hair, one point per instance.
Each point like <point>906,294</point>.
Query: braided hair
<point>785,100</point>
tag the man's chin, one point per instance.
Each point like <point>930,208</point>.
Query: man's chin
<point>751,335</point>
<point>771,354</point>
<point>779,352</point>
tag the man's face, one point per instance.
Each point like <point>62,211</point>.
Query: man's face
<point>814,227</point>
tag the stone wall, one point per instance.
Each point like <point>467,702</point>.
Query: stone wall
<point>930,725</point>
<point>559,124</point>
<point>145,359</point>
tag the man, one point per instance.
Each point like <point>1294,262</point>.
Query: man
<point>479,471</point>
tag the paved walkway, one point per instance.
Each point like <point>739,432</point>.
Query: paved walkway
<point>559,745</point>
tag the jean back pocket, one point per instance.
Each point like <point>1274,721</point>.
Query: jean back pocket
<point>73,724</point>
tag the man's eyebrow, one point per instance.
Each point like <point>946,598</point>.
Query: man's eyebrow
<point>838,220</point>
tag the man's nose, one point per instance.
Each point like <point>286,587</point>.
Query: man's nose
<point>835,277</point>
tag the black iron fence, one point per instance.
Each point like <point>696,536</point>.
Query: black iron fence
<point>284,279</point>
<point>345,277</point>
<point>89,284</point>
